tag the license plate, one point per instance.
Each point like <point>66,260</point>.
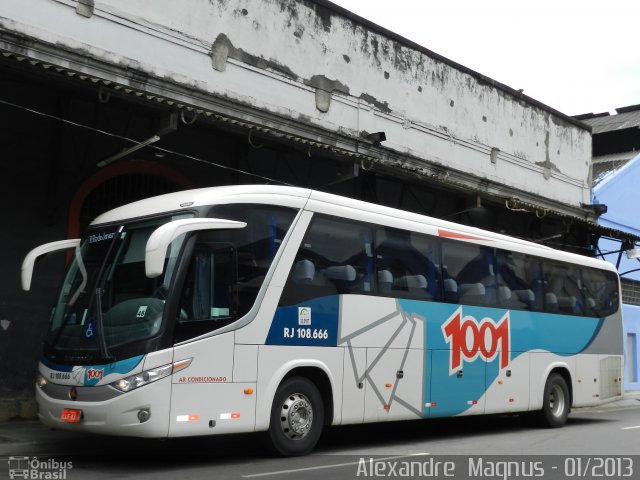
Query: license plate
<point>71,415</point>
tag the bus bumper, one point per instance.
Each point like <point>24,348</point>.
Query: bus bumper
<point>143,412</point>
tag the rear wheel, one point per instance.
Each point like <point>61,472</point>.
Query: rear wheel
<point>297,417</point>
<point>556,402</point>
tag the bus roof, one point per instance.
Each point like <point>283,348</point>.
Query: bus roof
<point>331,204</point>
<point>189,199</point>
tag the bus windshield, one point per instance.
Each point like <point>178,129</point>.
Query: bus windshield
<point>108,309</point>
<point>106,299</point>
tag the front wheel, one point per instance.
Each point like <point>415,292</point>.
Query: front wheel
<point>297,417</point>
<point>556,402</point>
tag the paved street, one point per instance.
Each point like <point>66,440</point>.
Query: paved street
<point>610,430</point>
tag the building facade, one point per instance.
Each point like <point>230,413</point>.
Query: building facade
<point>616,171</point>
<point>618,191</point>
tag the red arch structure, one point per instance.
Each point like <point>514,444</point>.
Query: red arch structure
<point>116,170</point>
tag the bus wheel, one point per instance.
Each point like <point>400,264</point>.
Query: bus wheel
<point>297,417</point>
<point>556,402</point>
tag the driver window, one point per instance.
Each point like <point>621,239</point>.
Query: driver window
<point>207,300</point>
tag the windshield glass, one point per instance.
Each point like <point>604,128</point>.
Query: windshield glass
<point>106,299</point>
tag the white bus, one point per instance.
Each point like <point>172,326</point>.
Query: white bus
<point>279,309</point>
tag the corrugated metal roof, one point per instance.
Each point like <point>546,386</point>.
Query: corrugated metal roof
<point>604,165</point>
<point>628,117</point>
<point>615,157</point>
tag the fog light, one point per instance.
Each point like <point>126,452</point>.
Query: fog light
<point>144,415</point>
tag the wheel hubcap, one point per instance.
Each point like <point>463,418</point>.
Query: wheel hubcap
<point>296,416</point>
<point>557,401</point>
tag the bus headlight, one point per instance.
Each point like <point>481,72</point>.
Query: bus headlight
<point>41,381</point>
<point>149,376</point>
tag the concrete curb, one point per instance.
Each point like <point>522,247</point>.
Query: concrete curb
<point>24,408</point>
<point>630,399</point>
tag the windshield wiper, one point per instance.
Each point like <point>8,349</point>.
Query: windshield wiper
<point>97,296</point>
<point>75,295</point>
<point>83,272</point>
<point>104,351</point>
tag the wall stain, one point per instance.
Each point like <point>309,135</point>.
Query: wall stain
<point>299,31</point>
<point>547,165</point>
<point>222,49</point>
<point>240,12</point>
<point>323,15</point>
<point>382,106</point>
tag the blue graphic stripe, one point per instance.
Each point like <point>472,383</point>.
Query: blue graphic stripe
<point>562,335</point>
<point>516,331</point>
<point>121,366</point>
<point>290,328</point>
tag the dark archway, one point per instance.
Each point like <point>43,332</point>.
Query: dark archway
<point>118,185</point>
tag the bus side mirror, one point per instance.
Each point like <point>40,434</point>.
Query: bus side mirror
<point>30,260</point>
<point>159,240</point>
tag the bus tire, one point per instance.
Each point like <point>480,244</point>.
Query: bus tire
<point>556,402</point>
<point>297,417</point>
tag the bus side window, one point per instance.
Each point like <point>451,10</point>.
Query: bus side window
<point>207,300</point>
<point>256,244</point>
<point>518,281</point>
<point>407,264</point>
<point>600,292</point>
<point>335,258</point>
<point>563,288</point>
<point>472,267</point>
